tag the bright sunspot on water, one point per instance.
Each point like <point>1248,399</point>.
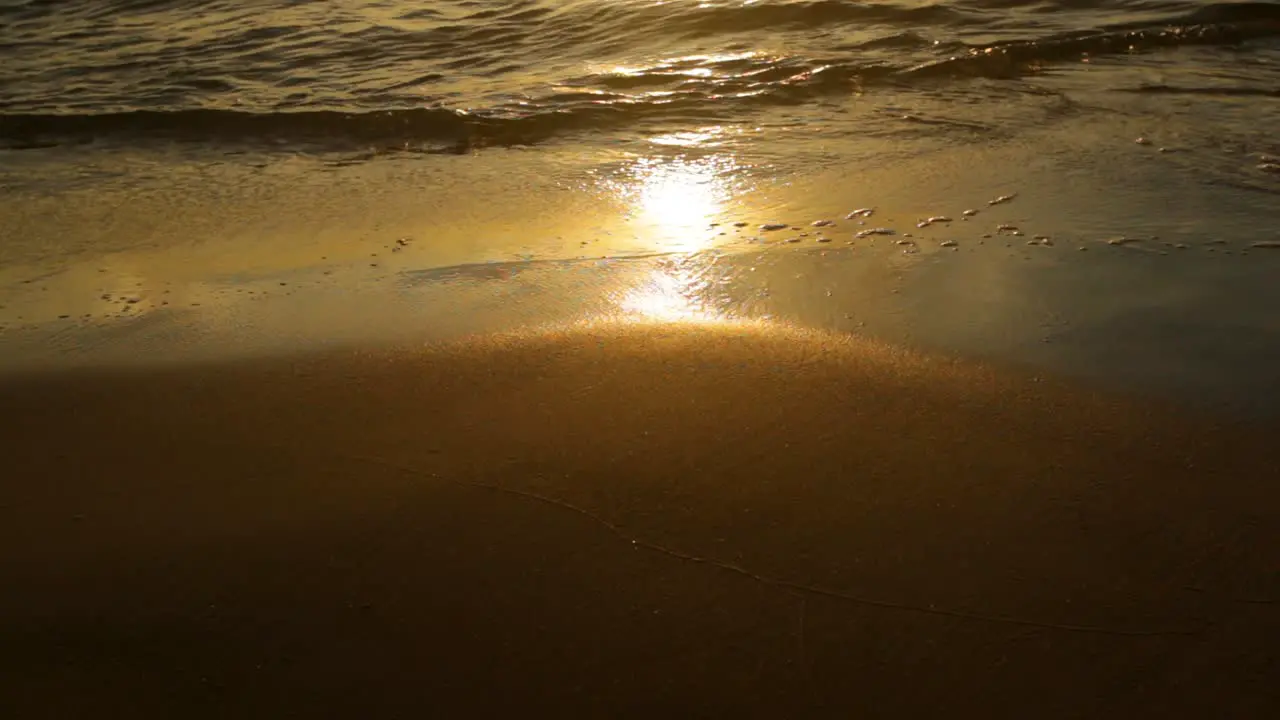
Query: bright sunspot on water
<point>663,296</point>
<point>680,196</point>
<point>676,201</point>
<point>679,289</point>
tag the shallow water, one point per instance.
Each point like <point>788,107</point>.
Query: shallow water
<point>208,172</point>
<point>459,74</point>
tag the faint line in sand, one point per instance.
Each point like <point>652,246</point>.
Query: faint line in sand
<point>798,587</point>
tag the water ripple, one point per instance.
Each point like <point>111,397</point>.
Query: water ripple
<point>462,73</point>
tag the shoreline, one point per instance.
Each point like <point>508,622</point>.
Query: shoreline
<point>1120,325</point>
<point>628,519</point>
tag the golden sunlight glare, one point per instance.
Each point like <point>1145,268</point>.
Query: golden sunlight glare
<point>678,200</point>
<point>678,289</point>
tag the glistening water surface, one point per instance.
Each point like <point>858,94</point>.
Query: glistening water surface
<point>172,165</point>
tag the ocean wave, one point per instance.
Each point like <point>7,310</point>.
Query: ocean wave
<point>416,113</point>
<point>1222,25</point>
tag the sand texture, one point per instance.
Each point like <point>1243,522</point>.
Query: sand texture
<point>661,520</point>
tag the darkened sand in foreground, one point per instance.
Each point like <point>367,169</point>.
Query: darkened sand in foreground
<point>647,520</point>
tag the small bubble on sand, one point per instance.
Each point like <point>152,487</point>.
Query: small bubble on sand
<point>822,223</point>
<point>1003,199</point>
<point>769,227</point>
<point>875,231</point>
<point>1005,227</point>
<point>824,239</point>
<point>969,213</point>
<point>860,213</point>
<point>1143,141</point>
<point>947,243</point>
<point>906,242</point>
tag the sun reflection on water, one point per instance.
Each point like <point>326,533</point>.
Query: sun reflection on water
<point>663,296</point>
<point>677,289</point>
<point>678,202</point>
<point>680,196</point>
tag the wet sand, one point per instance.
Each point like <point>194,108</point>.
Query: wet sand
<point>721,520</point>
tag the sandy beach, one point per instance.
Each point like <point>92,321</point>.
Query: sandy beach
<point>627,520</point>
<point>584,358</point>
